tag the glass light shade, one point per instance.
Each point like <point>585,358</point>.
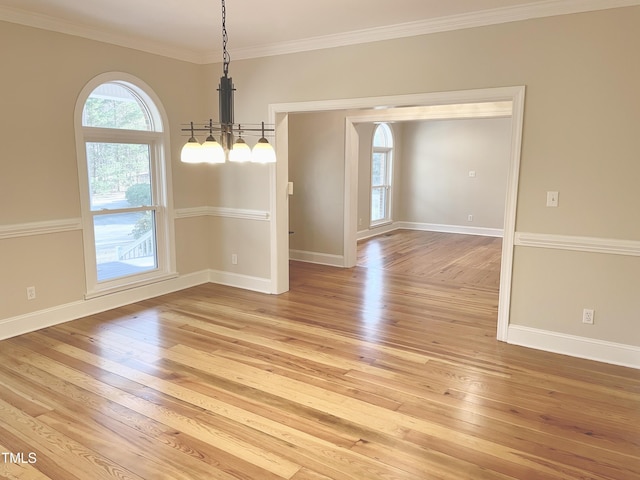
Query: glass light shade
<point>263,152</point>
<point>240,152</point>
<point>191,152</point>
<point>212,151</point>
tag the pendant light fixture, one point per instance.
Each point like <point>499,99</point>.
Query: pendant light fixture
<point>212,151</point>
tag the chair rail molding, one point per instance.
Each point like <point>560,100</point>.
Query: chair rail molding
<point>609,246</point>
<point>259,215</point>
<point>40,228</point>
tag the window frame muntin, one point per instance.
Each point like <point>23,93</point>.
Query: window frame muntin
<point>160,166</point>
<point>388,186</point>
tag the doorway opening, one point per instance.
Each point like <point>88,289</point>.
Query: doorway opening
<point>486,103</point>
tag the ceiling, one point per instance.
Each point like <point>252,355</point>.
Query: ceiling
<point>191,29</point>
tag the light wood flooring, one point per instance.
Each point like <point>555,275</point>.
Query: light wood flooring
<point>389,370</point>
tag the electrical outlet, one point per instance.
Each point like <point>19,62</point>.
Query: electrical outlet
<point>31,293</point>
<point>587,316</point>
<point>469,218</point>
<point>234,258</point>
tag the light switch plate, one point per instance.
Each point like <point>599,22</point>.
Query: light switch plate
<point>552,199</point>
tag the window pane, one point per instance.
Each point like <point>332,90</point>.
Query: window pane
<point>382,136</point>
<point>119,175</point>
<point>114,106</point>
<point>378,204</point>
<point>378,169</point>
<point>125,244</point>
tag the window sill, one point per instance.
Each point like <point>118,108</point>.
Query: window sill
<point>99,292</point>
<point>383,223</point>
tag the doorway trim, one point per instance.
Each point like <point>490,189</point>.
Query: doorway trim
<point>375,109</point>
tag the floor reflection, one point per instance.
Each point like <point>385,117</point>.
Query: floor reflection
<point>120,340</point>
<point>373,298</point>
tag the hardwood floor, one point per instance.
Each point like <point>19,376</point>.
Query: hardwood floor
<point>443,257</point>
<point>389,370</point>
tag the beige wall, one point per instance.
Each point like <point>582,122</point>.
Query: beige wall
<point>432,160</point>
<point>551,287</point>
<point>580,138</point>
<point>437,156</point>
<point>431,167</point>
<point>316,168</point>
<point>52,263</point>
<point>581,115</point>
<point>42,75</point>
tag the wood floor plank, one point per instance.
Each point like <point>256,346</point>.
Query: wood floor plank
<point>26,470</point>
<point>386,371</point>
<point>184,421</point>
<point>351,409</point>
<point>78,459</point>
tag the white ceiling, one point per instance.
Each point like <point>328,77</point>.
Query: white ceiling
<point>191,29</point>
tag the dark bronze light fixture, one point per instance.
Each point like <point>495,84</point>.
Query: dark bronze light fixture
<point>237,150</point>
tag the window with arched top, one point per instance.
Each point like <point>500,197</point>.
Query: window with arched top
<point>123,171</point>
<point>117,105</point>
<point>381,175</point>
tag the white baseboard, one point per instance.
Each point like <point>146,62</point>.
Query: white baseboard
<point>431,227</point>
<point>581,347</point>
<point>372,232</point>
<point>29,322</point>
<point>256,284</point>
<point>461,229</point>
<point>315,257</point>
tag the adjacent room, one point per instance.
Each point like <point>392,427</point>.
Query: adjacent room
<point>319,240</point>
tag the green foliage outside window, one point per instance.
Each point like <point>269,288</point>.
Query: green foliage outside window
<point>139,195</point>
<point>143,225</point>
<point>114,167</point>
<point>124,113</point>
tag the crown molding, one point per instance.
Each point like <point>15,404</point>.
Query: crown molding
<point>484,18</point>
<point>45,22</point>
<point>496,16</point>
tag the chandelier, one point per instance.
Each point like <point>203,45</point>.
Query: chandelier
<point>237,150</point>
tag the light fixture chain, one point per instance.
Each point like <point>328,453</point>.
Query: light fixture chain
<point>213,152</point>
<point>226,58</point>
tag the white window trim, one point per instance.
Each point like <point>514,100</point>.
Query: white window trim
<point>388,151</point>
<point>161,186</point>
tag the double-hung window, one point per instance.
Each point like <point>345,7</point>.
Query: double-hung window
<point>381,175</point>
<point>123,181</point>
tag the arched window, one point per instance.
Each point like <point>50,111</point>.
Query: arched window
<point>381,175</point>
<point>123,172</point>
